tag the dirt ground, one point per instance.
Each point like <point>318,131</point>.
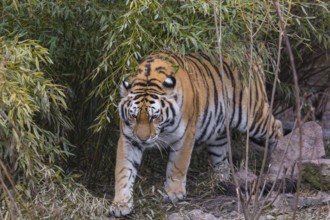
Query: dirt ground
<point>209,199</point>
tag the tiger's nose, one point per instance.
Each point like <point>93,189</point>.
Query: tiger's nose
<point>143,139</point>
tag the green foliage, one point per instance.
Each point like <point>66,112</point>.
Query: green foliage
<point>185,26</point>
<point>32,140</point>
<point>31,118</point>
<point>31,109</point>
<point>94,44</point>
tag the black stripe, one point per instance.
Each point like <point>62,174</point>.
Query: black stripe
<point>133,142</point>
<point>239,108</point>
<point>220,115</point>
<point>148,69</point>
<point>204,131</point>
<point>153,96</point>
<point>223,144</point>
<point>206,110</point>
<point>214,154</point>
<point>256,132</point>
<point>264,127</point>
<point>145,85</point>
<point>148,91</point>
<point>178,59</point>
<point>138,96</point>
<point>122,107</point>
<point>229,73</point>
<point>155,85</point>
<point>171,124</point>
<point>252,127</point>
<point>215,89</point>
<point>180,138</point>
<point>221,137</point>
<point>161,69</point>
<point>134,163</point>
<point>256,100</point>
<point>149,59</point>
<point>250,99</point>
<point>172,108</point>
<point>139,84</point>
<point>216,67</point>
<point>233,108</point>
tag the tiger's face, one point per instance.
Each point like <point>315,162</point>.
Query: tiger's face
<point>142,119</point>
<point>148,104</point>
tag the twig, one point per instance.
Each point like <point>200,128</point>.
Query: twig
<point>295,79</point>
<point>247,148</point>
<point>278,172</point>
<point>231,164</point>
<point>271,107</point>
<point>13,207</point>
<point>257,208</point>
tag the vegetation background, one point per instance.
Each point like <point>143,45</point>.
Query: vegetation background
<point>60,66</point>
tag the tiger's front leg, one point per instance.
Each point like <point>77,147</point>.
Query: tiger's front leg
<point>177,167</point>
<point>128,160</point>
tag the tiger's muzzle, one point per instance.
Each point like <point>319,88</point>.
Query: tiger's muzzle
<point>144,130</point>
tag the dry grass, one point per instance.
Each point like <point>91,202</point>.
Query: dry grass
<point>203,191</point>
<point>73,201</point>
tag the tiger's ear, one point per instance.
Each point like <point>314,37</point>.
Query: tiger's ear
<point>124,88</point>
<point>169,82</point>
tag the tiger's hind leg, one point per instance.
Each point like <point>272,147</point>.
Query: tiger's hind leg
<point>261,131</point>
<point>218,154</point>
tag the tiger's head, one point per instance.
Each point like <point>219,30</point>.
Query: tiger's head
<point>149,101</point>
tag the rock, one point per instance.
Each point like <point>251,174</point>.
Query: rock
<point>242,177</point>
<point>195,214</point>
<point>219,205</point>
<point>325,123</point>
<point>281,217</point>
<point>175,216</point>
<point>317,173</point>
<point>312,149</point>
<point>270,217</point>
<point>287,118</point>
<point>283,203</point>
<point>198,214</point>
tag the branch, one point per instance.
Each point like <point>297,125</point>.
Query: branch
<point>231,164</point>
<point>298,115</point>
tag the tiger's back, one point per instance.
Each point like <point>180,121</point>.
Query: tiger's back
<point>247,109</point>
<point>180,102</point>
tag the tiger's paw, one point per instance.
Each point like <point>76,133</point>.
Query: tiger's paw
<point>174,197</point>
<point>119,209</point>
<point>175,192</point>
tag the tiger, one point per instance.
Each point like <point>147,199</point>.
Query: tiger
<point>182,102</point>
